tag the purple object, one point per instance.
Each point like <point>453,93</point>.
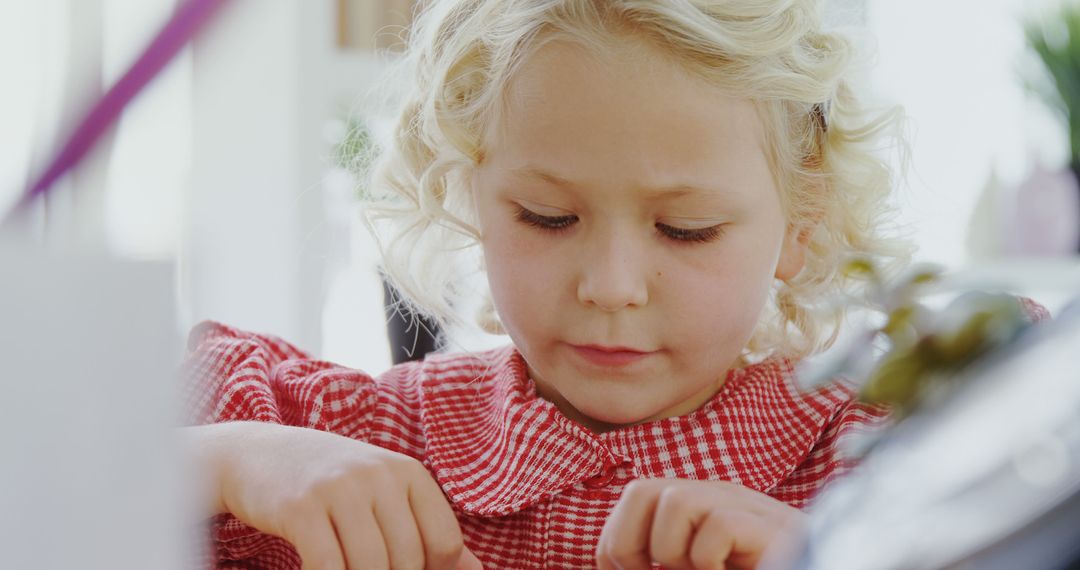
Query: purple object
<point>1044,220</point>
<point>186,21</point>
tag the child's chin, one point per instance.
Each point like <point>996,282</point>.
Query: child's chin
<point>621,416</point>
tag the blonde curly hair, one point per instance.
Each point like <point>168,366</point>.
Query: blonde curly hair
<point>822,144</point>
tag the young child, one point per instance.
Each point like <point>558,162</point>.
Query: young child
<point>662,193</point>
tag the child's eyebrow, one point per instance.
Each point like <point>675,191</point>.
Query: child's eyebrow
<point>673,191</point>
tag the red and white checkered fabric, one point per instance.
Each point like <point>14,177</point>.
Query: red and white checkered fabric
<point>531,488</point>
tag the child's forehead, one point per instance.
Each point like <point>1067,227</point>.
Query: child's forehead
<point>581,117</point>
<point>631,58</point>
<point>546,177</point>
<point>563,79</point>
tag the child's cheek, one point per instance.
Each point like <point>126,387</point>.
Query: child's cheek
<point>712,297</point>
<point>524,268</point>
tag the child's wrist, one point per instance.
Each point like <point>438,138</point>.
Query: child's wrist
<point>207,448</point>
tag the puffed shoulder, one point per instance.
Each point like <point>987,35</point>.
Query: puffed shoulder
<point>232,375</point>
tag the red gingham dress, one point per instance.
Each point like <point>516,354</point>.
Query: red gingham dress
<point>530,487</point>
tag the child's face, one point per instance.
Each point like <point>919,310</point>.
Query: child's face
<point>665,237</point>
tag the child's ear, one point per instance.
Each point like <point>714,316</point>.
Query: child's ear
<point>797,239</point>
<point>793,253</point>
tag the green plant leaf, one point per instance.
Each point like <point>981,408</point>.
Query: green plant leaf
<point>1062,63</point>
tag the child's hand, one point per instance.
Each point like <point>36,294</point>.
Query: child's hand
<point>342,503</point>
<point>683,524</point>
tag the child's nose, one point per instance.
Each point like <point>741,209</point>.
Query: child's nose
<point>613,274</point>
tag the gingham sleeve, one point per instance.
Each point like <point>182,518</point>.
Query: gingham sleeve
<point>232,375</point>
<point>830,457</point>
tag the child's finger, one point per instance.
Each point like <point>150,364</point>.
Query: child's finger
<point>468,561</point>
<point>316,542</point>
<point>729,540</point>
<point>359,535</point>
<point>624,541</point>
<point>679,510</point>
<point>443,544</point>
<point>752,501</point>
<point>399,530</point>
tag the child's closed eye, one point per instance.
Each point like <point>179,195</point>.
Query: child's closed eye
<point>554,224</point>
<point>697,235</point>
<point>549,223</point>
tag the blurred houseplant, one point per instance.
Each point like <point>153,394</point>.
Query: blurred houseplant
<point>355,150</point>
<point>915,355</point>
<point>411,335</point>
<point>1055,39</point>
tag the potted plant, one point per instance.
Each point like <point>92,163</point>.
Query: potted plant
<point>411,335</point>
<point>1055,39</point>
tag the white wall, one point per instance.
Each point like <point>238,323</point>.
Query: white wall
<point>956,67</point>
<point>254,245</point>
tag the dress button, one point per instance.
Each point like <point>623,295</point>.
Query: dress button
<point>602,480</point>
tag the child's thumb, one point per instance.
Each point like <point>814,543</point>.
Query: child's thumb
<point>468,561</point>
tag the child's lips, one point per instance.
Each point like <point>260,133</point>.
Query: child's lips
<point>610,355</point>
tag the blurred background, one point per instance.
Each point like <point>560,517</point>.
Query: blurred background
<point>227,167</point>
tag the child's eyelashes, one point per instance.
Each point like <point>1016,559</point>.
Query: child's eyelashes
<point>702,235</point>
<point>556,224</point>
<point>552,223</point>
